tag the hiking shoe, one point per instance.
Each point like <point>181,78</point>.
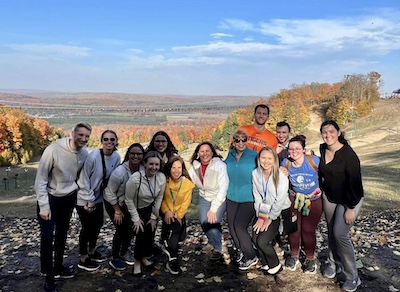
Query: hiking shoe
<point>330,272</point>
<point>291,263</point>
<point>215,255</point>
<point>165,250</point>
<point>173,267</point>
<point>88,265</point>
<point>310,267</point>
<point>97,257</point>
<point>117,264</point>
<point>246,264</point>
<point>351,285</point>
<point>128,259</point>
<point>65,273</point>
<point>237,256</point>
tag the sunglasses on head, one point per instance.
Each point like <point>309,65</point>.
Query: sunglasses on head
<point>111,139</point>
<point>240,140</point>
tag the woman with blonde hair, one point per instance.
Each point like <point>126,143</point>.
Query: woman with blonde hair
<point>270,191</point>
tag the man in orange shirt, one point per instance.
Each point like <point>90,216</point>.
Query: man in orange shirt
<point>259,136</point>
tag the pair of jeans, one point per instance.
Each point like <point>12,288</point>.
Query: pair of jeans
<point>53,233</point>
<point>174,233</point>
<point>341,249</point>
<point>123,232</point>
<point>212,230</point>
<point>91,224</point>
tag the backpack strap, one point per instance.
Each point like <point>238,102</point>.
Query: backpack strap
<point>312,163</point>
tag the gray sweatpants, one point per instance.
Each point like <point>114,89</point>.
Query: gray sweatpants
<point>341,250</point>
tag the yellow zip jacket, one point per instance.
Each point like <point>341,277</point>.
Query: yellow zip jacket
<point>177,196</point>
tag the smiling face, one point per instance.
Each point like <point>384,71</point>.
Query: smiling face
<point>108,142</point>
<point>330,135</point>
<point>176,170</point>
<point>282,134</point>
<point>160,143</point>
<point>135,155</point>
<point>261,116</point>
<point>296,150</point>
<point>80,137</point>
<point>152,165</point>
<point>266,160</point>
<point>205,154</point>
<point>240,143</point>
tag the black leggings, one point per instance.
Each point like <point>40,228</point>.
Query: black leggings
<point>240,215</point>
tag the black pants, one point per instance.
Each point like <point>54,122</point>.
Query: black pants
<point>123,232</point>
<point>53,233</point>
<point>263,242</point>
<point>174,233</point>
<point>144,243</point>
<point>239,216</point>
<point>91,224</point>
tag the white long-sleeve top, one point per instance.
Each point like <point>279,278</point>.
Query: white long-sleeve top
<point>91,177</point>
<point>115,191</point>
<point>215,181</point>
<point>58,171</point>
<point>141,192</point>
<point>277,198</point>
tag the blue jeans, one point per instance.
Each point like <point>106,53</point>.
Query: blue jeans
<point>213,231</point>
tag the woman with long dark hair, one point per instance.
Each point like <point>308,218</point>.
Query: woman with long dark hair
<point>114,201</point>
<point>340,179</point>
<point>209,174</point>
<point>92,182</point>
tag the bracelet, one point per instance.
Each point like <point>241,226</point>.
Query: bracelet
<point>118,213</point>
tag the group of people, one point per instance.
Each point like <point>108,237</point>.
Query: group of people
<point>264,179</point>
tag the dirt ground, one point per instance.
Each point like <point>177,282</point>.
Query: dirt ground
<point>376,237</point>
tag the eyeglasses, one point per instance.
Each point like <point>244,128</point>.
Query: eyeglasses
<point>295,149</point>
<point>111,139</point>
<point>136,153</point>
<point>160,141</point>
<point>240,140</point>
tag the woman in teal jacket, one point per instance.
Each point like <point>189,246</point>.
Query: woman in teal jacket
<point>240,162</point>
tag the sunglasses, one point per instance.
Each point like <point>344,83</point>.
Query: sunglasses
<point>111,139</point>
<point>240,140</point>
<point>136,153</point>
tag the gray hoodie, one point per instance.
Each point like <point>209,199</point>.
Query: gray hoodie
<point>58,171</point>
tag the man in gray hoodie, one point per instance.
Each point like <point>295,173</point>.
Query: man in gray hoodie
<point>56,191</point>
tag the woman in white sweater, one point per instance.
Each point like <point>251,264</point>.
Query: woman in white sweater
<point>270,191</point>
<point>92,182</point>
<point>209,174</point>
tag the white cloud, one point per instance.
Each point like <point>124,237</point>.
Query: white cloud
<point>54,50</point>
<point>220,35</point>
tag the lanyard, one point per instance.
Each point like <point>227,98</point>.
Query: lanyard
<point>177,193</point>
<point>155,184</point>
<point>265,187</point>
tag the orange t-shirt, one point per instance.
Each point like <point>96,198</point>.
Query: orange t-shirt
<point>257,140</point>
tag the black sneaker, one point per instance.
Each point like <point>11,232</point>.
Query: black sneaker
<point>173,267</point>
<point>117,264</point>
<point>237,256</point>
<point>310,267</point>
<point>65,273</point>
<point>291,263</point>
<point>351,285</point>
<point>128,259</point>
<point>97,257</point>
<point>215,255</point>
<point>246,264</point>
<point>88,265</point>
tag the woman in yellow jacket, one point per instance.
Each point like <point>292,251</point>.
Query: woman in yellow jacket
<point>176,201</point>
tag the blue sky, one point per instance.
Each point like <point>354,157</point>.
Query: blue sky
<point>196,47</point>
